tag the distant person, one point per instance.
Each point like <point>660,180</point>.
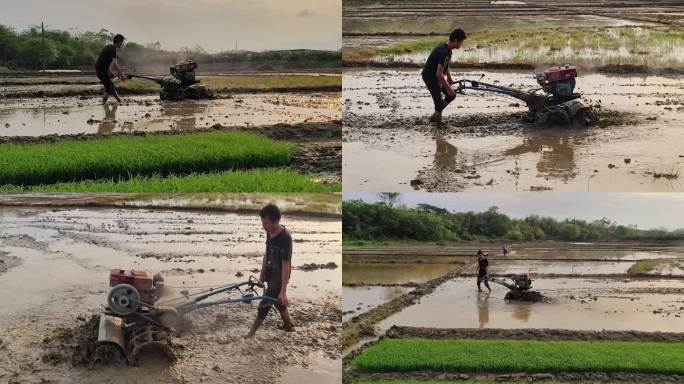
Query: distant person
<point>504,248</point>
<point>276,268</point>
<point>436,73</point>
<point>106,65</point>
<point>482,265</point>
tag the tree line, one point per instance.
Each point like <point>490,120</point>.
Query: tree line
<point>33,49</point>
<point>384,221</point>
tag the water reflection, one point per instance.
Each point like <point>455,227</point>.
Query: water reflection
<point>483,309</point>
<point>108,123</point>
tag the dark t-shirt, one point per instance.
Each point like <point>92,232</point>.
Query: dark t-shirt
<point>483,264</point>
<point>105,59</point>
<point>440,55</point>
<point>278,249</point>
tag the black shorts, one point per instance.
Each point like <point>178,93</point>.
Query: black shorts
<point>436,92</point>
<point>106,80</point>
<point>272,290</point>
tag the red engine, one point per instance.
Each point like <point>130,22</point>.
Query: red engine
<point>558,81</point>
<point>560,73</point>
<point>145,282</point>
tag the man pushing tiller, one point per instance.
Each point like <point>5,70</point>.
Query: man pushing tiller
<point>276,268</point>
<point>436,73</point>
<point>106,64</point>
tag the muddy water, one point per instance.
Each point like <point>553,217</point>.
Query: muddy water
<point>395,273</point>
<point>66,255</point>
<point>71,115</point>
<point>485,143</point>
<point>357,300</point>
<point>574,304</point>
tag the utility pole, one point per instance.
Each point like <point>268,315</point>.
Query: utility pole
<point>42,37</point>
<point>236,45</point>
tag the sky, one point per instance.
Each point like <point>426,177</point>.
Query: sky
<point>213,24</point>
<point>646,210</point>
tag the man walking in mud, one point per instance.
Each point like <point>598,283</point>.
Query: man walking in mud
<point>276,268</point>
<point>436,73</point>
<point>482,265</point>
<point>106,65</point>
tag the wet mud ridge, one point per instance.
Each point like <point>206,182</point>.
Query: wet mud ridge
<point>363,326</point>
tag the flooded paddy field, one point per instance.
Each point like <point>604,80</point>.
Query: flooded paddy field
<point>570,303</point>
<point>86,115</point>
<point>486,142</point>
<point>59,260</point>
<point>357,300</point>
<point>619,286</point>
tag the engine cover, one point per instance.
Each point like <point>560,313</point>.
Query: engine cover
<point>141,280</point>
<point>560,73</point>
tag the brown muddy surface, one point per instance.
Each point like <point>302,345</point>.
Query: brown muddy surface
<point>66,255</point>
<point>486,142</point>
<point>86,114</point>
<point>309,205</point>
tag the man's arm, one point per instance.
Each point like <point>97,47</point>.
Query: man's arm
<point>443,80</point>
<point>285,280</point>
<point>448,76</point>
<point>262,274</point>
<point>286,270</point>
<point>117,69</point>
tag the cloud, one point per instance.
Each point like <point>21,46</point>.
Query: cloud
<point>305,13</point>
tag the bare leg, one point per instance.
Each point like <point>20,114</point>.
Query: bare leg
<point>257,323</point>
<point>116,96</point>
<point>287,322</point>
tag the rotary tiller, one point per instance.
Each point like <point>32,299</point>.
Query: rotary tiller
<point>133,322</point>
<point>181,85</point>
<point>518,287</point>
<point>555,103</point>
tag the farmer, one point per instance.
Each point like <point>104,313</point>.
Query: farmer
<point>482,264</point>
<point>504,248</point>
<point>436,73</point>
<point>275,268</point>
<point>106,64</point>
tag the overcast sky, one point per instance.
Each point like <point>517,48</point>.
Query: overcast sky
<point>646,210</point>
<point>213,24</point>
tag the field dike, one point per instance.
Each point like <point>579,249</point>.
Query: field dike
<point>363,325</point>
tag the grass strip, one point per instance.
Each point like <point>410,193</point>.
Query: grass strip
<point>626,45</point>
<point>256,180</point>
<point>27,164</point>
<point>508,356</point>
